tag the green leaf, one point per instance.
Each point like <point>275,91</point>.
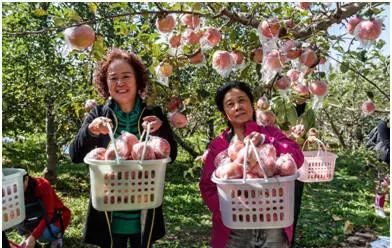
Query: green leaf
<point>309,119</point>
<point>344,67</point>
<point>291,115</point>
<point>92,7</point>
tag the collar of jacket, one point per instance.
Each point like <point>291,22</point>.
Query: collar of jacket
<point>106,109</point>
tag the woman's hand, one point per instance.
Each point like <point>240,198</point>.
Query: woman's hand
<point>99,126</point>
<point>156,123</point>
<point>30,242</point>
<point>255,137</point>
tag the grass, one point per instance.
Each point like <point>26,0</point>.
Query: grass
<point>326,207</point>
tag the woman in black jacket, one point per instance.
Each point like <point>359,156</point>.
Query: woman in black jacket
<point>121,79</point>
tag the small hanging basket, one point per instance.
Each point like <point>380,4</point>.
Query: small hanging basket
<point>319,166</point>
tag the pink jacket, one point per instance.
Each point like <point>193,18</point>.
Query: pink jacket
<point>220,233</point>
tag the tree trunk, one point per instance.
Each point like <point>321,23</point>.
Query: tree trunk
<point>51,148</point>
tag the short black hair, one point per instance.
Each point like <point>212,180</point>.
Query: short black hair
<point>222,90</point>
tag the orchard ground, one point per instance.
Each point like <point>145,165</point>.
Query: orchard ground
<point>326,207</point>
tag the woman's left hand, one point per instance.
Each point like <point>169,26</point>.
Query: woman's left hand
<point>255,137</point>
<point>156,123</point>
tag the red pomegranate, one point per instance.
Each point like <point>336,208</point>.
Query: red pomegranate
<point>137,151</point>
<point>283,83</point>
<point>190,20</point>
<point>222,158</point>
<point>238,57</point>
<point>352,23</point>
<point>270,28</point>
<point>160,146</point>
<point>192,37</point>
<point>292,49</point>
<point>304,5</point>
<point>165,24</point>
<point>275,60</point>
<point>309,58</point>
<point>265,118</point>
<point>293,74</point>
<point>197,58</point>
<point>80,37</point>
<point>222,60</point>
<point>286,165</point>
<point>212,36</point>
<point>368,30</point>
<point>263,103</point>
<point>234,148</point>
<point>165,69</point>
<point>97,153</point>
<point>301,89</point>
<point>368,107</point>
<point>174,104</point>
<point>257,55</point>
<point>318,88</point>
<point>175,40</point>
<point>178,119</point>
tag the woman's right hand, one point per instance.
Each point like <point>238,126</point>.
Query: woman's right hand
<point>99,126</point>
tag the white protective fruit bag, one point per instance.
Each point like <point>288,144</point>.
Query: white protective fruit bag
<point>127,184</point>
<point>266,203</point>
<point>319,166</point>
<point>12,197</point>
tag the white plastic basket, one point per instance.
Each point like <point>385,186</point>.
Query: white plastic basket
<point>127,185</point>
<point>319,166</point>
<point>12,197</point>
<point>256,204</point>
<point>266,203</point>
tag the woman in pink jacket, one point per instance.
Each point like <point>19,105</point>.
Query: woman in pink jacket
<point>235,101</point>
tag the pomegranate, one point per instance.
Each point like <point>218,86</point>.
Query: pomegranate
<point>368,107</point>
<point>222,158</point>
<point>265,118</point>
<point>212,36</point>
<point>312,132</point>
<point>238,57</point>
<point>234,148</point>
<point>304,5</point>
<point>298,130</point>
<point>165,69</point>
<point>318,88</point>
<point>293,74</point>
<point>97,153</point>
<point>275,60</point>
<point>191,21</point>
<point>80,37</point>
<point>269,28</point>
<point>175,40</point>
<point>137,151</point>
<point>251,157</point>
<point>283,83</point>
<point>229,171</point>
<point>192,37</point>
<point>178,119</point>
<point>197,58</point>
<point>174,104</point>
<point>301,89</point>
<point>257,55</point>
<point>286,165</point>
<point>110,154</point>
<point>292,49</point>
<point>160,146</point>
<point>123,149</point>
<point>368,30</point>
<point>309,58</point>
<point>222,60</point>
<point>165,24</point>
<point>352,23</point>
<point>263,103</point>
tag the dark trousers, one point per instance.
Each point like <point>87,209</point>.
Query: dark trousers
<point>299,189</point>
<point>121,240</point>
<point>383,133</point>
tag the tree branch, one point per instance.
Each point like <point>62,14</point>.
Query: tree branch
<point>362,76</point>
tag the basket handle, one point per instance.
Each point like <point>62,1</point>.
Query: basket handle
<point>113,141</point>
<point>260,163</point>
<point>145,141</point>
<point>320,144</point>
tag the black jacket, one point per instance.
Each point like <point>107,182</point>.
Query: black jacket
<point>96,229</point>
